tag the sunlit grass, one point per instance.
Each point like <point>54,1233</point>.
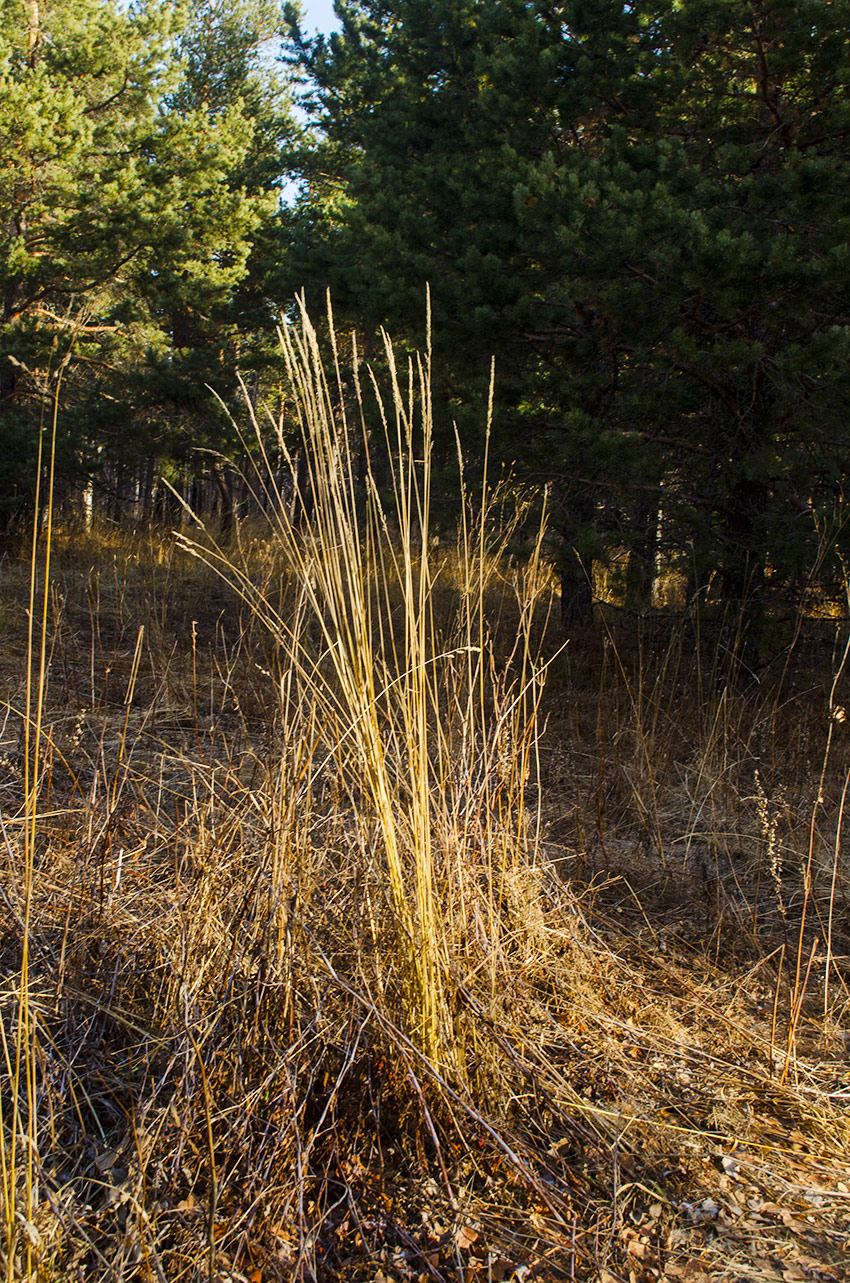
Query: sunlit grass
<point>370,929</point>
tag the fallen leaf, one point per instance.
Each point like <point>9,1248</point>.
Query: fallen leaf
<point>33,1236</point>
<point>699,1213</point>
<point>792,1223</point>
<point>767,1267</point>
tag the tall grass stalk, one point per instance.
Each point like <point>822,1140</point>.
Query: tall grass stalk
<point>433,739</point>
<point>836,715</point>
<point>20,1137</point>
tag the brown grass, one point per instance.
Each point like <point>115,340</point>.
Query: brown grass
<point>419,954</point>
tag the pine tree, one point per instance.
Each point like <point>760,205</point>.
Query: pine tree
<point>639,209</point>
<point>230,80</point>
<point>130,208</point>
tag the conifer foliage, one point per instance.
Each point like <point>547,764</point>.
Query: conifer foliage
<point>639,209</point>
<point>642,210</point>
<point>133,188</point>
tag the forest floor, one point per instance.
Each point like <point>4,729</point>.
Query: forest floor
<point>208,1072</point>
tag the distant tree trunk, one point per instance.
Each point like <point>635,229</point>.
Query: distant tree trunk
<point>88,505</point>
<point>147,499</point>
<point>221,477</point>
<point>576,591</point>
<point>303,500</point>
<point>576,520</point>
<point>169,509</point>
<point>747,502</point>
<point>643,554</point>
<point>115,500</point>
<point>743,576</point>
<point>743,568</point>
<point>197,495</point>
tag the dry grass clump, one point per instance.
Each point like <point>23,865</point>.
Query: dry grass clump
<point>425,735</point>
<point>321,960</point>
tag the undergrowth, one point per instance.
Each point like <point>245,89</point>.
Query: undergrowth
<point>366,930</point>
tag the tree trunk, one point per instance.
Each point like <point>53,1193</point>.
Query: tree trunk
<point>576,591</point>
<point>643,553</point>
<point>33,33</point>
<point>743,577</point>
<point>222,479</point>
<point>575,522</point>
<point>303,501</point>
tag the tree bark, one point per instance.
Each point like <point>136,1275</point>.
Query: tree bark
<point>222,479</point>
<point>576,591</point>
<point>33,33</point>
<point>640,571</point>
